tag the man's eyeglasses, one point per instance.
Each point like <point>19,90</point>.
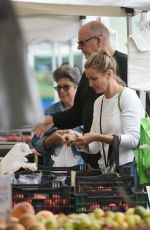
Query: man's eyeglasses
<point>64,87</point>
<point>82,42</point>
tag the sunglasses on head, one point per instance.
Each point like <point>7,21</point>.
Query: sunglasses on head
<point>82,42</point>
<point>64,87</point>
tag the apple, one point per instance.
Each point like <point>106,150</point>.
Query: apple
<point>40,220</point>
<point>51,224</point>
<point>131,221</point>
<point>130,211</point>
<point>139,210</point>
<point>98,213</point>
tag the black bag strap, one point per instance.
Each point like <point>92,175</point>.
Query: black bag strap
<point>113,152</point>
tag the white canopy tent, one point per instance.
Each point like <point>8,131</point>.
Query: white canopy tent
<point>54,14</point>
<point>55,20</point>
<point>59,29</point>
<point>57,16</point>
<point>78,7</point>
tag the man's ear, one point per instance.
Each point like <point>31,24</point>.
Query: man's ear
<point>99,40</point>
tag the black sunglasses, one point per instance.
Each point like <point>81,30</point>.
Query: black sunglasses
<point>82,42</point>
<point>64,87</point>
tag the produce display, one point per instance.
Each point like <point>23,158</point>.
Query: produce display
<point>95,201</point>
<point>24,217</point>
<point>53,196</point>
<point>17,138</point>
<point>53,191</point>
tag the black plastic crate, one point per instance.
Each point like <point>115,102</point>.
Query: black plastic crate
<point>109,192</point>
<point>141,199</point>
<point>107,180</point>
<point>81,170</point>
<point>54,197</point>
<point>97,189</point>
<point>34,177</point>
<point>43,176</point>
<point>87,203</point>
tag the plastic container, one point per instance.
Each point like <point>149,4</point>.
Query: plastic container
<point>141,199</point>
<point>54,196</point>
<point>109,192</point>
<point>87,203</point>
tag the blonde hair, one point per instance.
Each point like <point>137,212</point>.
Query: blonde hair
<point>101,61</point>
<point>120,81</point>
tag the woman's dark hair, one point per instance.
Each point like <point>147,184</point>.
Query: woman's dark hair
<point>67,71</point>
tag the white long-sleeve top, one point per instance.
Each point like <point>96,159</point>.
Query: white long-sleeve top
<point>125,123</point>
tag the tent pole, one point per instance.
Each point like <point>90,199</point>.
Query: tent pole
<point>129,24</point>
<point>71,55</point>
<point>60,54</point>
<point>82,21</point>
<point>54,56</point>
<point>142,94</point>
<point>129,15</point>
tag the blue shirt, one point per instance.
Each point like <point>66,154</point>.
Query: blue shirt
<point>38,143</point>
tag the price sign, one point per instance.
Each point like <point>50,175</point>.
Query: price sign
<point>5,197</point>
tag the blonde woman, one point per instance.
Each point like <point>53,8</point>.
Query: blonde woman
<point>108,120</point>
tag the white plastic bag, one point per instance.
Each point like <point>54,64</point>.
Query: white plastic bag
<point>15,159</point>
<point>66,158</point>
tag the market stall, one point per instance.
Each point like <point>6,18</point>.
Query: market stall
<point>43,15</point>
<point>82,7</point>
<point>26,96</point>
<point>88,189</point>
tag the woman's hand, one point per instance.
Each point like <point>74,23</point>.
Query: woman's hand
<point>70,136</point>
<point>90,137</point>
<point>56,138</point>
<point>84,139</point>
<point>46,123</point>
<point>82,142</point>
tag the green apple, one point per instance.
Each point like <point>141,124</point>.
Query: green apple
<point>139,210</point>
<point>51,224</point>
<point>147,222</point>
<point>123,226</point>
<point>119,217</point>
<point>98,213</point>
<point>40,220</point>
<point>85,221</point>
<point>138,219</point>
<point>130,220</point>
<point>130,211</point>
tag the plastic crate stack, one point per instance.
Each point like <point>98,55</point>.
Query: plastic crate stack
<point>48,194</point>
<point>109,192</point>
<point>90,190</point>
